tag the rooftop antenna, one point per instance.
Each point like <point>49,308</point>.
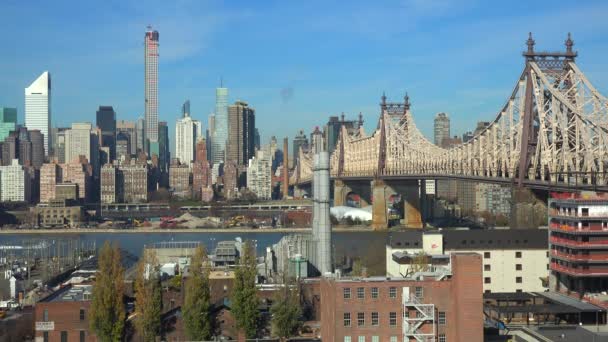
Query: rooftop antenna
<point>221,82</point>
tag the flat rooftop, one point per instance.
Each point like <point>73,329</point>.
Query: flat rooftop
<point>72,293</point>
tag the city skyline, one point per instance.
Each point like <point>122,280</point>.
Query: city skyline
<point>307,88</point>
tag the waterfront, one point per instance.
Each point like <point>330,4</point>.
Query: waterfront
<point>368,245</point>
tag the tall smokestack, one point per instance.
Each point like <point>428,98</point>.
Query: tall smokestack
<point>321,223</point>
<point>285,168</point>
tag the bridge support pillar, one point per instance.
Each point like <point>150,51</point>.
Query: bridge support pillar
<point>379,207</point>
<point>412,208</point>
<point>340,193</point>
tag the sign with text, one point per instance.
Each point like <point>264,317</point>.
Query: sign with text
<point>45,326</point>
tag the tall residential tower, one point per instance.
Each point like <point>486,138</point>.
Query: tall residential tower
<point>441,128</point>
<point>38,107</point>
<point>151,87</point>
<point>218,140</point>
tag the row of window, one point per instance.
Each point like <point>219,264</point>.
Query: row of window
<point>375,292</point>
<point>45,315</point>
<point>488,267</point>
<point>441,338</point>
<point>488,280</point>
<point>64,336</point>
<point>392,318</point>
<point>488,255</point>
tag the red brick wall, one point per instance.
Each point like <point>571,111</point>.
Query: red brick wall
<point>66,316</point>
<point>468,294</point>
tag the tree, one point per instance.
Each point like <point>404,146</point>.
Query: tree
<point>357,268</point>
<point>244,294</point>
<point>107,315</point>
<point>286,311</point>
<point>197,299</point>
<point>148,297</point>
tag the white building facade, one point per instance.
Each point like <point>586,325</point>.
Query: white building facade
<point>259,174</point>
<point>38,107</point>
<point>14,183</point>
<point>187,131</point>
<point>80,140</point>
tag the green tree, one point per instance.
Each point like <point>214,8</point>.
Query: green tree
<point>244,294</point>
<point>357,269</point>
<point>286,311</point>
<point>107,315</point>
<point>148,297</point>
<point>197,299</point>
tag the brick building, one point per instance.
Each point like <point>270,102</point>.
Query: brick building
<point>56,213</point>
<point>50,175</point>
<point>446,305</point>
<point>135,182</point>
<point>64,315</point>
<point>179,179</point>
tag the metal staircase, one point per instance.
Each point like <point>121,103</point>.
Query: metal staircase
<point>418,318</point>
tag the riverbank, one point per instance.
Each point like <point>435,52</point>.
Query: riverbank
<point>176,230</point>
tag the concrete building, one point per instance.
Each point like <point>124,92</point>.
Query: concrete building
<point>443,305</point>
<point>513,261</point>
<point>259,174</point>
<point>37,142</point>
<point>81,140</point>
<point>201,170</point>
<point>179,180</point>
<point>187,131</point>
<point>151,87</point>
<point>578,242</point>
<point>493,198</point>
<point>128,129</point>
<point>441,128</point>
<point>8,121</point>
<point>140,140</point>
<point>241,132</point>
<point>38,107</point>
<point>57,213</point>
<point>300,141</point>
<point>58,144</point>
<point>109,181</point>
<point>230,178</point>
<point>14,183</point>
<point>81,175</point>
<point>50,176</point>
<point>135,182</point>
<point>332,130</point>
<point>66,192</point>
<point>123,146</point>
<point>220,127</point>
<point>64,315</point>
<point>106,122</point>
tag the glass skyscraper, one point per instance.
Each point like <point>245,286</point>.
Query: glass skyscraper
<point>218,148</point>
<point>151,86</point>
<point>8,121</point>
<point>38,107</point>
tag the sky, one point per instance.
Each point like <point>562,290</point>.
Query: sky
<point>295,62</point>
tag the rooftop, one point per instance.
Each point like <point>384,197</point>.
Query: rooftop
<point>71,293</point>
<point>475,239</point>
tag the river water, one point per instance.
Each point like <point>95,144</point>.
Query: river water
<point>368,246</point>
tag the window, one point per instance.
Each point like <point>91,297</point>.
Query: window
<point>393,338</point>
<point>375,320</point>
<point>518,280</point>
<point>488,291</point>
<point>82,336</point>
<point>45,336</point>
<point>361,339</point>
<point>519,290</point>
<point>392,319</point>
<point>392,292</point>
<point>487,280</point>
<point>419,291</point>
<point>346,292</point>
<point>347,319</point>
<point>347,339</point>
<point>441,317</point>
<point>441,337</point>
<point>64,336</point>
<point>374,292</point>
<point>486,255</point>
<point>406,313</point>
<point>45,315</point>
<point>518,267</point>
<point>518,254</point>
<point>82,314</point>
<point>375,339</point>
<point>487,268</point>
<point>547,266</point>
<point>360,319</point>
<point>360,292</point>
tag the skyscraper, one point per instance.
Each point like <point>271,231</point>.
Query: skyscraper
<point>38,107</point>
<point>187,131</point>
<point>151,86</point>
<point>106,121</point>
<point>8,121</point>
<point>241,132</point>
<point>164,156</point>
<point>218,140</point>
<point>442,128</point>
<point>299,141</point>
<point>129,129</point>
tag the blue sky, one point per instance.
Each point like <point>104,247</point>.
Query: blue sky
<point>295,62</point>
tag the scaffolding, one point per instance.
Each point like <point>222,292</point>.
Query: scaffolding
<point>418,318</point>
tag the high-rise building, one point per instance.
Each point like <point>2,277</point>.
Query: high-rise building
<point>241,133</point>
<point>50,176</point>
<point>201,172</point>
<point>10,148</point>
<point>259,174</point>
<point>123,146</point>
<point>25,145</point>
<point>38,107</point>
<point>151,85</point>
<point>58,144</point>
<point>230,179</point>
<point>8,121</point>
<point>134,182</point>
<point>466,136</point>
<point>14,183</point>
<point>220,129</point>
<point>179,179</point>
<point>441,128</point>
<point>333,127</point>
<point>37,142</point>
<point>140,140</point>
<point>80,140</point>
<point>80,174</point>
<point>187,131</point>
<point>300,141</point>
<point>164,154</point>
<point>256,139</point>
<point>106,122</point>
<point>128,128</point>
<point>108,188</point>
